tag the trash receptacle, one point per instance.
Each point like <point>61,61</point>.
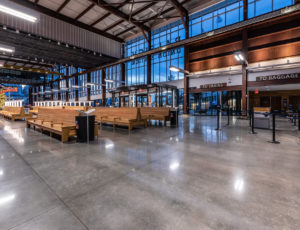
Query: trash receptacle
<point>174,116</point>
<point>85,126</point>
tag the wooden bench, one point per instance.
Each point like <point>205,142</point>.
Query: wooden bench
<point>155,113</point>
<point>14,113</point>
<point>120,116</point>
<point>58,121</point>
<point>35,109</point>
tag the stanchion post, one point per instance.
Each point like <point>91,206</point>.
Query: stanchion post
<point>274,130</point>
<point>299,120</point>
<point>218,119</point>
<point>252,122</point>
<point>228,116</point>
<point>250,117</point>
<point>295,119</point>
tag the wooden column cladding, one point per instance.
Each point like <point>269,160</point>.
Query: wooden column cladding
<point>103,76</point>
<point>244,73</point>
<point>186,95</point>
<point>88,89</point>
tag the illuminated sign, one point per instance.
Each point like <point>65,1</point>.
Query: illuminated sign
<point>6,90</point>
<point>278,77</point>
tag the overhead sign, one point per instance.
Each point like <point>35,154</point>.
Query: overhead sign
<point>8,90</point>
<point>279,77</point>
<point>211,86</point>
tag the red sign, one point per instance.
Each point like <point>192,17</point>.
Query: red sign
<point>256,91</point>
<point>8,90</point>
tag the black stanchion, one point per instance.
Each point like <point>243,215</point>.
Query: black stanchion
<point>298,120</point>
<point>250,115</point>
<point>274,130</point>
<point>295,119</point>
<point>228,116</point>
<point>218,120</point>
<point>252,123</point>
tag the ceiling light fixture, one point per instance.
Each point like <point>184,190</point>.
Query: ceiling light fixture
<point>176,69</point>
<point>9,50</point>
<point>17,13</point>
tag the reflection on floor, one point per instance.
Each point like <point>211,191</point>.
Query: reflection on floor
<point>191,177</point>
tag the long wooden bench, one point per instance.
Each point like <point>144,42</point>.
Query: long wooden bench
<point>155,113</point>
<point>120,116</point>
<point>58,121</point>
<point>35,109</point>
<point>14,113</point>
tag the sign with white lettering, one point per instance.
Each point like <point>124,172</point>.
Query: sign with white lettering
<point>278,77</point>
<point>216,85</point>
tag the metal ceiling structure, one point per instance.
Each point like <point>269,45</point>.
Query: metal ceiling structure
<point>115,19</point>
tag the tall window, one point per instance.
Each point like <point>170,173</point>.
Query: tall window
<point>135,46</point>
<point>162,61</point>
<point>113,73</point>
<point>81,82</point>
<point>168,34</point>
<point>136,72</point>
<point>259,7</point>
<point>217,16</point>
<point>71,89</point>
<point>97,79</point>
<point>63,85</point>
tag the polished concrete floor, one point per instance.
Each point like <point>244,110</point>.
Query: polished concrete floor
<point>191,177</point>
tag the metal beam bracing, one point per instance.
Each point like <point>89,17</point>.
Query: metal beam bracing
<point>104,5</point>
<point>184,15</point>
<point>107,14</point>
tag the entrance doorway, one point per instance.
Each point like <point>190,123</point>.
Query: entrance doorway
<point>206,103</point>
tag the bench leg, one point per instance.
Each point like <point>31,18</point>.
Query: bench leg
<point>130,127</point>
<point>51,134</point>
<point>146,123</point>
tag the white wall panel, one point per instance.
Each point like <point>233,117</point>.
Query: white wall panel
<point>58,30</point>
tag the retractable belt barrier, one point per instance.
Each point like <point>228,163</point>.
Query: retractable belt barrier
<point>292,116</point>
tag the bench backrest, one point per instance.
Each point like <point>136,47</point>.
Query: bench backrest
<point>64,116</point>
<point>146,111</point>
<point>17,110</point>
<point>81,108</point>
<point>123,113</point>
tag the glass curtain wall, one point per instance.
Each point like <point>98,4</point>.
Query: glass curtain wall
<point>259,7</point>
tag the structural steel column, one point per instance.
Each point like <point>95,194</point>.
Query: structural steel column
<point>103,76</point>
<point>88,89</point>
<point>58,93</point>
<point>51,87</point>
<point>30,99</point>
<point>148,58</point>
<point>122,69</point>
<point>76,89</point>
<point>186,93</point>
<point>245,74</point>
<point>67,84</point>
<point>245,9</point>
